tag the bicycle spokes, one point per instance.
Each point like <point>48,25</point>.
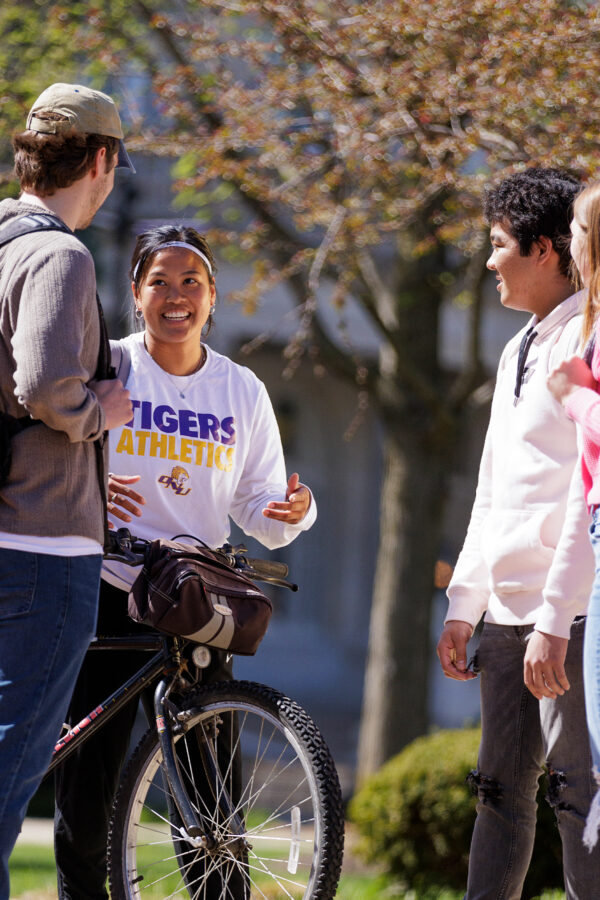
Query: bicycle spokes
<point>263,790</point>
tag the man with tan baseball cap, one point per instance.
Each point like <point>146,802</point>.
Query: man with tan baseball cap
<point>85,111</point>
<point>55,377</point>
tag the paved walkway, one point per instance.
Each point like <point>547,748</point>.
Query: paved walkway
<point>37,831</point>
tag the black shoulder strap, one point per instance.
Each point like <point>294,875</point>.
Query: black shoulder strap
<point>27,224</point>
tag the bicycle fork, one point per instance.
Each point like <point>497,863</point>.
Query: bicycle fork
<point>195,828</point>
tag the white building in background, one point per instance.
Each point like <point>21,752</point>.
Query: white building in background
<point>316,646</point>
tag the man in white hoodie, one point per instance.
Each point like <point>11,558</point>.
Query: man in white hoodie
<point>526,564</point>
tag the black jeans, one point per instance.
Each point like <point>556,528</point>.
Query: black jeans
<point>85,784</point>
<point>519,734</point>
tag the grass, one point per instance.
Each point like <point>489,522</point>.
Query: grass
<point>32,871</point>
<point>33,877</point>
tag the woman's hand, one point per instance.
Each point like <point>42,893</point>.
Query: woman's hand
<point>294,508</point>
<point>569,376</point>
<point>121,497</point>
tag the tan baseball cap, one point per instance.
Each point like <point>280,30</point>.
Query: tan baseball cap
<point>85,111</point>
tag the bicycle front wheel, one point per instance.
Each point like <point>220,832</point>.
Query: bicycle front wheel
<point>272,805</point>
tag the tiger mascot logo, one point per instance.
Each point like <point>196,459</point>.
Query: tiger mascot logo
<point>176,481</point>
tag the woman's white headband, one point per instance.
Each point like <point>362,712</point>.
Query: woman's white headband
<point>183,244</point>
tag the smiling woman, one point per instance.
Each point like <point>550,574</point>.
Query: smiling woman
<point>204,445</point>
<point>174,291</point>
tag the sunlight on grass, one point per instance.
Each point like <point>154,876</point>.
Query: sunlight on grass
<point>33,877</point>
<point>32,872</point>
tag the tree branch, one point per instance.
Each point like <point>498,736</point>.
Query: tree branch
<point>380,300</point>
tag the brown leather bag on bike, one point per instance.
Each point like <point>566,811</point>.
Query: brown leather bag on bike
<point>192,592</point>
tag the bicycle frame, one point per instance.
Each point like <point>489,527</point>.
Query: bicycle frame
<point>95,719</point>
<point>163,660</point>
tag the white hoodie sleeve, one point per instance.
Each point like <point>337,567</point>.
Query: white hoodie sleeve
<point>569,581</point>
<point>469,589</point>
<point>264,479</point>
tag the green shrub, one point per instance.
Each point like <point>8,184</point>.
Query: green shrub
<point>415,816</point>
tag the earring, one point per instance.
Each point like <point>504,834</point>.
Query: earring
<point>138,313</point>
<point>211,311</point>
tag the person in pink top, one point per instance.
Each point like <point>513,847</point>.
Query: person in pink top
<point>574,383</point>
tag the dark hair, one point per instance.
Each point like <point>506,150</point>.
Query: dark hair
<point>46,162</point>
<point>149,242</point>
<point>536,203</point>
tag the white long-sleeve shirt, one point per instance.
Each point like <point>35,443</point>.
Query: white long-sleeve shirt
<point>213,454</point>
<point>527,557</point>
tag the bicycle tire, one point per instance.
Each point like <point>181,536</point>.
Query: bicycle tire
<point>289,793</point>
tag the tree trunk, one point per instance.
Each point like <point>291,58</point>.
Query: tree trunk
<point>396,683</point>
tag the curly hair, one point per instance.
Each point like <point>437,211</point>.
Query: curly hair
<point>46,162</point>
<point>534,203</point>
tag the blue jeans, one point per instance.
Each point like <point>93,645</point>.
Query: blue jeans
<point>519,735</point>
<point>47,619</point>
<point>592,650</point>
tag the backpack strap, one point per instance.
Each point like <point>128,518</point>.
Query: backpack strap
<point>27,224</point>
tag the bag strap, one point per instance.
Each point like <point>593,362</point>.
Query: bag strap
<point>203,555</point>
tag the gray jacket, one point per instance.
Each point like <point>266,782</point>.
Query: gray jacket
<point>49,345</point>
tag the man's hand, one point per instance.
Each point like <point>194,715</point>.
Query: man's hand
<point>452,650</point>
<point>569,376</point>
<point>544,668</point>
<point>294,508</point>
<point>114,400</point>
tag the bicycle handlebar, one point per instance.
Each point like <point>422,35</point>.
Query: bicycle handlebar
<point>126,548</point>
<point>267,570</point>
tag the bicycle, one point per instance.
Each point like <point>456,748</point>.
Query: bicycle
<point>234,781</point>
